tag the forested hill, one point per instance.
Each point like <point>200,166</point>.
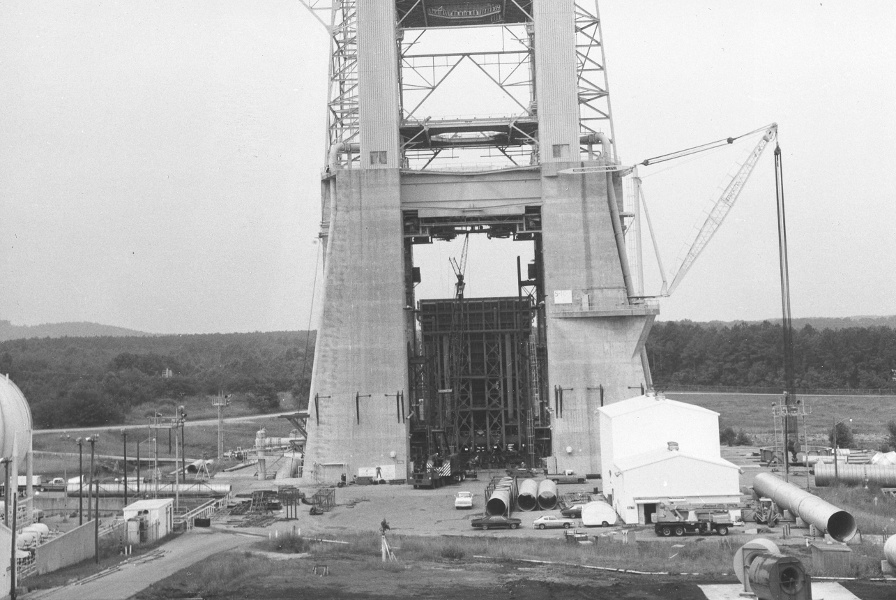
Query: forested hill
<point>685,353</point>
<point>8,331</point>
<point>83,381</point>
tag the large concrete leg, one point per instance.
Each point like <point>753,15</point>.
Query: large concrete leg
<point>360,361</point>
<point>594,334</point>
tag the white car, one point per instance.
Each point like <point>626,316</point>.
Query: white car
<point>463,500</point>
<point>552,521</point>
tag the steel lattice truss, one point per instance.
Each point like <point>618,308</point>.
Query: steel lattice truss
<point>510,139</point>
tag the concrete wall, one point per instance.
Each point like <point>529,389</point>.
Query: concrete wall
<point>378,96</point>
<point>596,337</point>
<point>68,549</point>
<point>555,80</point>
<point>361,344</point>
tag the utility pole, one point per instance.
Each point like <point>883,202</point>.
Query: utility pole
<point>80,443</point>
<point>220,402</point>
<point>92,439</point>
<point>124,435</point>
<point>181,419</point>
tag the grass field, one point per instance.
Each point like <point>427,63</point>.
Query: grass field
<point>753,414</point>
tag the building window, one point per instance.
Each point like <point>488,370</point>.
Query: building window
<point>378,157</point>
<point>561,150</point>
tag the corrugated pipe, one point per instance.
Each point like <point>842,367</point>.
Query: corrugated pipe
<point>499,503</point>
<point>547,495</point>
<point>165,490</point>
<point>829,519</point>
<point>883,476</point>
<point>527,499</point>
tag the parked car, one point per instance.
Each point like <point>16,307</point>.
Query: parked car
<point>495,521</point>
<point>553,521</point>
<point>463,500</point>
<point>573,512</point>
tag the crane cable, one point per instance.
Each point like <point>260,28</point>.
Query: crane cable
<point>697,149</point>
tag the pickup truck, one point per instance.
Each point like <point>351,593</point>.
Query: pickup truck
<point>567,476</point>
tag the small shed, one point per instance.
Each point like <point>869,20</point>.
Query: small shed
<point>649,422</point>
<point>642,481</point>
<point>149,520</point>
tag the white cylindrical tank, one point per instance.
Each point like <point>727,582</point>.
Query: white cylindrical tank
<point>39,528</point>
<point>27,540</point>
<point>598,513</point>
<point>15,417</point>
<point>890,550</point>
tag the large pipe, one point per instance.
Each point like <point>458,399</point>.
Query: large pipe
<point>527,499</point>
<point>620,236</point>
<point>499,503</point>
<point>879,475</point>
<point>829,519</point>
<point>547,495</point>
<point>165,490</point>
<point>890,550</point>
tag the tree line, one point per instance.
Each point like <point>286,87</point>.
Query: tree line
<point>686,353</point>
<point>89,381</point>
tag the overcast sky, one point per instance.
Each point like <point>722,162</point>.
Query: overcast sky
<point>159,161</point>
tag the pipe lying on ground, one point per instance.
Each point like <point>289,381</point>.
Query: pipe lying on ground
<point>499,503</point>
<point>107,490</point>
<point>547,495</point>
<point>890,550</point>
<point>829,519</point>
<point>880,475</point>
<point>527,498</point>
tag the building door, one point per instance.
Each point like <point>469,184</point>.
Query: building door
<point>649,511</point>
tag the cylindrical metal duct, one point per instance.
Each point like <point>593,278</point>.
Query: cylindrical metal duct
<point>165,490</point>
<point>499,503</point>
<point>890,550</point>
<point>837,523</point>
<point>547,495</point>
<point>880,475</point>
<point>527,498</point>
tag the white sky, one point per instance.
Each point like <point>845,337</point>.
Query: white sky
<point>159,161</point>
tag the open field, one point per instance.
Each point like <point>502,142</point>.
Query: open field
<point>753,414</point>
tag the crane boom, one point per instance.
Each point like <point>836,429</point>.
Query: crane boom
<point>722,207</point>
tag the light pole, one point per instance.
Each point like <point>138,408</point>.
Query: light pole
<point>11,523</point>
<point>80,443</point>
<point>92,440</point>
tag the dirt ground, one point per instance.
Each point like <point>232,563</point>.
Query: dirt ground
<point>464,580</point>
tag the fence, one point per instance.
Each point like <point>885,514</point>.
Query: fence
<point>776,391</point>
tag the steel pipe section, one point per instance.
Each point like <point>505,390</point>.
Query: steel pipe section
<point>890,550</point>
<point>165,490</point>
<point>499,503</point>
<point>527,499</point>
<point>547,495</point>
<point>879,475</point>
<point>829,519</point>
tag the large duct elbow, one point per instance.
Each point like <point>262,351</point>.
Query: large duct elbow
<point>336,150</point>
<point>499,503</point>
<point>602,139</point>
<point>829,519</point>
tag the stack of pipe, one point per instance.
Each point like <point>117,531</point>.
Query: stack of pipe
<point>829,519</point>
<point>879,475</point>
<point>547,495</point>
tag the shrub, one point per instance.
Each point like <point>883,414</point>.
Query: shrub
<point>452,552</point>
<point>743,438</point>
<point>845,438</point>
<point>728,436</point>
<point>891,437</point>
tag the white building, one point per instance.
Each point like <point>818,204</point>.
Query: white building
<point>149,520</point>
<point>658,450</point>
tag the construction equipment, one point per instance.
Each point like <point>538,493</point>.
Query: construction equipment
<point>681,519</point>
<point>766,513</point>
<point>440,471</point>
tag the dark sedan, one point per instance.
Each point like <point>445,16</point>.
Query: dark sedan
<point>573,512</point>
<point>494,522</point>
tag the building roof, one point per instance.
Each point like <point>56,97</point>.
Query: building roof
<point>640,403</point>
<point>630,463</point>
<point>149,504</point>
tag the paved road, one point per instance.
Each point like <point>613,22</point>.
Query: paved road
<point>132,578</point>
